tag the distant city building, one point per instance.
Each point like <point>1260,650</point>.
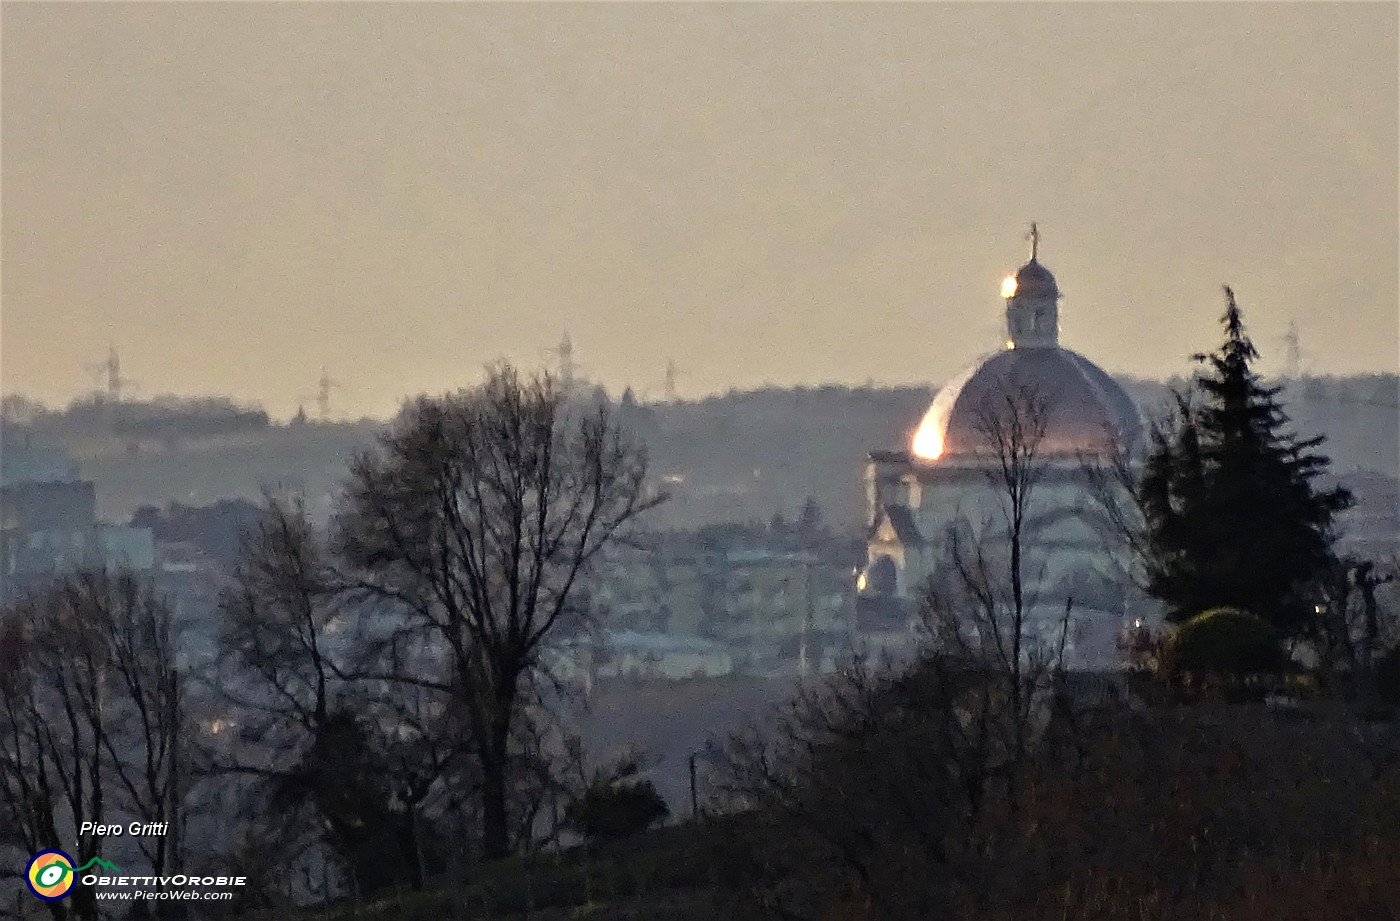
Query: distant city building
<point>641,655</point>
<point>49,526</point>
<point>22,462</point>
<point>943,488</point>
<point>770,606</point>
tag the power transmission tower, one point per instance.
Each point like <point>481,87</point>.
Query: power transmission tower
<point>109,378</point>
<point>567,369</point>
<point>1293,353</point>
<point>670,387</point>
<point>565,351</point>
<point>321,398</point>
<point>323,394</point>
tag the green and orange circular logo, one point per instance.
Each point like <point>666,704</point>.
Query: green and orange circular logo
<point>50,875</point>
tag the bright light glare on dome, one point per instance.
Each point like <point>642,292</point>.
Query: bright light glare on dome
<point>1008,286</point>
<point>928,440</point>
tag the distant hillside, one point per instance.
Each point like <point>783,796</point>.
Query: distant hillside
<point>1360,415</point>
<point>746,455</point>
<point>160,417</point>
<point>740,456</point>
<point>199,471</point>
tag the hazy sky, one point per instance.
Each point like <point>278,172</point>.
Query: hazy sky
<point>235,195</point>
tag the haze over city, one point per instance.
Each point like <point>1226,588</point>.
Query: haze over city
<point>235,196</point>
<point>968,486</point>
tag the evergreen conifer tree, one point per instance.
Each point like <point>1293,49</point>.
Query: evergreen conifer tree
<point>1235,516</point>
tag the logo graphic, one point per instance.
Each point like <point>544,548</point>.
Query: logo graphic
<point>51,873</point>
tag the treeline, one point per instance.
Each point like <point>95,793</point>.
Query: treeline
<point>160,417</point>
<point>742,456</point>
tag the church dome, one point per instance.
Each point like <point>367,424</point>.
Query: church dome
<point>1085,409</point>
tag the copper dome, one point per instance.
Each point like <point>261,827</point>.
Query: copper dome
<point>1086,410</point>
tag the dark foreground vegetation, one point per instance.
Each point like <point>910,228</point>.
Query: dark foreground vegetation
<point>1209,812</point>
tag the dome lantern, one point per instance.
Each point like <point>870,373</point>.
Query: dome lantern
<point>1088,411</point>
<point>1032,302</point>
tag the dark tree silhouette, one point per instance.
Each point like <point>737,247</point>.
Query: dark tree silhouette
<point>1234,516</point>
<point>616,802</point>
<point>869,788</point>
<point>309,680</point>
<point>91,721</point>
<point>477,517</point>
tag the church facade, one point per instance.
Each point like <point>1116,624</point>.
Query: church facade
<point>1032,407</point>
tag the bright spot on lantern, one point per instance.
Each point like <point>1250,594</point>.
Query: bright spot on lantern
<point>1008,286</point>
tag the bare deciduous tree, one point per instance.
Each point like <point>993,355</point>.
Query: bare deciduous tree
<point>307,677</point>
<point>274,688</point>
<point>980,609</point>
<point>891,788</point>
<point>146,722</point>
<point>41,728</point>
<point>476,519</point>
<point>278,619</point>
<point>1354,629</point>
<point>91,720</point>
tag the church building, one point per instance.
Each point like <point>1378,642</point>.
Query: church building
<point>1058,412</point>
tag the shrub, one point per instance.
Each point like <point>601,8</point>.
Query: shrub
<point>613,807</point>
<point>1224,642</point>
